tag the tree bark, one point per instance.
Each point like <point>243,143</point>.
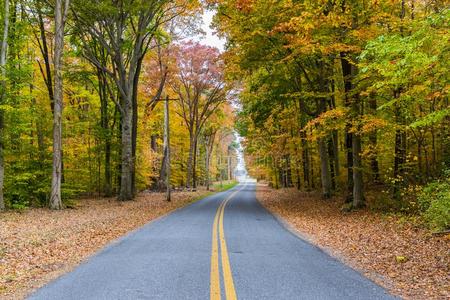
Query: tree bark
<point>332,161</point>
<point>358,193</point>
<point>194,164</point>
<point>135,120</point>
<point>43,46</point>
<point>209,147</point>
<point>347,73</point>
<point>167,147</point>
<point>190,160</point>
<point>104,122</point>
<point>126,178</point>
<point>373,141</point>
<point>55,196</point>
<point>305,160</point>
<point>400,148</point>
<point>324,168</point>
<point>207,167</point>
<point>358,184</point>
<point>3,54</point>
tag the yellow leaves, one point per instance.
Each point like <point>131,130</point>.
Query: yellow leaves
<point>364,34</point>
<point>401,259</point>
<point>371,123</point>
<point>340,47</point>
<point>330,120</point>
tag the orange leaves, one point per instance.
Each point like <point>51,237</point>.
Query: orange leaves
<point>371,123</point>
<point>244,5</point>
<point>340,47</point>
<point>336,119</point>
<point>326,122</point>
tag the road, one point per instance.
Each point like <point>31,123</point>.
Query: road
<point>226,246</point>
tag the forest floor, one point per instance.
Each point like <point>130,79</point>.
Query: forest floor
<point>38,245</point>
<point>389,249</point>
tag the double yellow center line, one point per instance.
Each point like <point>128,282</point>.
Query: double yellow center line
<point>215,292</point>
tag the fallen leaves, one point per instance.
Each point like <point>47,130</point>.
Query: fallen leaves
<point>38,245</point>
<point>405,259</point>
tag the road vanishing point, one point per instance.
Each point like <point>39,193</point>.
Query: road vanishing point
<point>226,246</point>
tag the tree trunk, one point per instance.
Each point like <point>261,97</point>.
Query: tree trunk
<point>419,158</point>
<point>358,184</point>
<point>229,165</point>
<point>47,74</point>
<point>332,161</point>
<point>108,175</point>
<point>194,164</point>
<point>104,122</point>
<point>288,171</point>
<point>207,166</point>
<point>135,121</point>
<point>337,165</point>
<point>399,151</point>
<point>167,147</point>
<point>324,169</point>
<point>305,159</point>
<point>190,160</point>
<point>311,164</point>
<point>126,180</point>
<point>347,73</point>
<point>55,196</point>
<point>3,53</point>
<point>373,142</point>
<point>358,195</point>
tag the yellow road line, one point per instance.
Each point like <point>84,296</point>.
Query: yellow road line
<point>215,291</point>
<point>215,276</point>
<point>230,292</point>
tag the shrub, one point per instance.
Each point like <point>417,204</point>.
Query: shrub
<point>434,202</point>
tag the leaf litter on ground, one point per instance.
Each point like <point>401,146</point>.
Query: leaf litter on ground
<point>38,245</point>
<point>399,255</point>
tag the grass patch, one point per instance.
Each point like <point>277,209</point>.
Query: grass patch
<point>216,188</point>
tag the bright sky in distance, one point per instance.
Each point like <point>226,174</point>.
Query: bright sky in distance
<point>211,39</point>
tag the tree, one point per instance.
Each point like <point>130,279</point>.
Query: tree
<point>3,53</point>
<point>125,32</point>
<point>61,10</point>
<point>304,80</point>
<point>199,86</point>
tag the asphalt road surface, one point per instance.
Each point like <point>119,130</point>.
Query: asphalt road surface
<point>226,246</point>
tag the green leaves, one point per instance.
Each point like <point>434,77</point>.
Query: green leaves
<point>432,118</point>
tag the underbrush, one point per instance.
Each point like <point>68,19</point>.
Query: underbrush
<point>428,205</point>
<point>434,202</point>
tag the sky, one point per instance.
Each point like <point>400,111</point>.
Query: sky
<point>211,39</point>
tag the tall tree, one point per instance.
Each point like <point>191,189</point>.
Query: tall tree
<point>61,10</point>
<point>125,30</point>
<point>199,85</point>
<point>3,56</point>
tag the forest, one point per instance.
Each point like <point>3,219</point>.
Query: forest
<point>346,97</point>
<point>301,143</point>
<point>80,104</point>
